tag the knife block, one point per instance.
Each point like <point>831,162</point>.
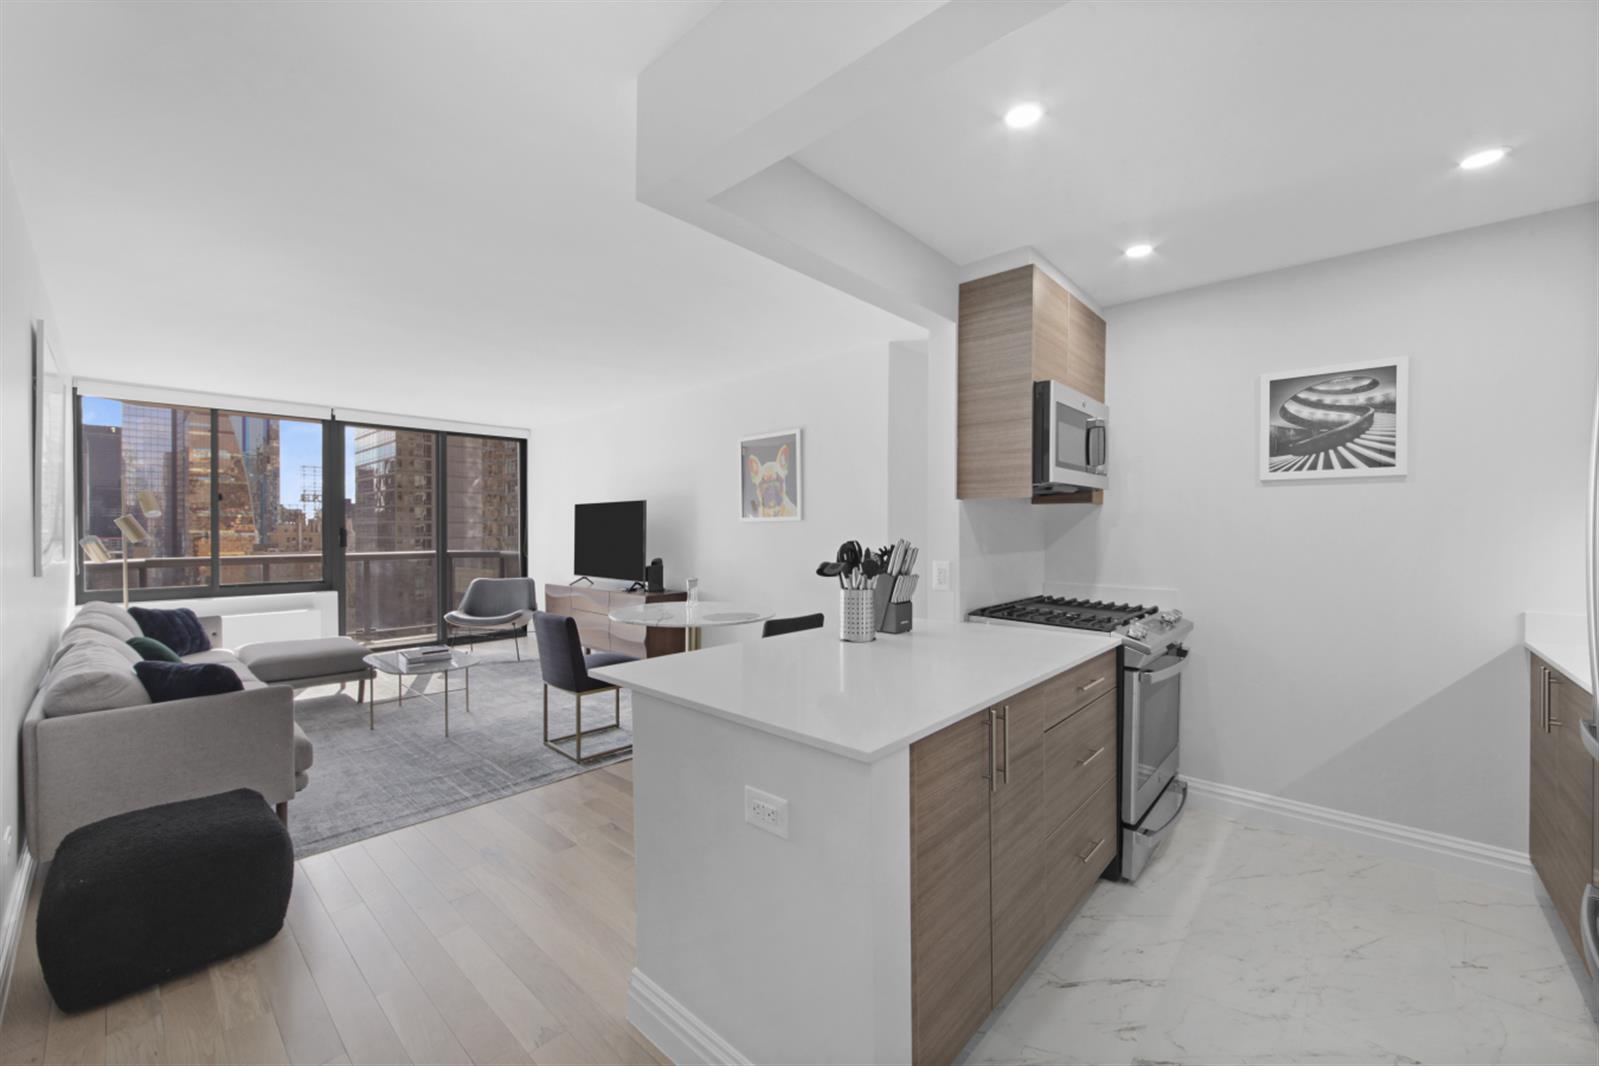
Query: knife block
<point>891,617</point>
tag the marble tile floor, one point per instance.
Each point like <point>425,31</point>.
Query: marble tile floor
<point>1245,944</point>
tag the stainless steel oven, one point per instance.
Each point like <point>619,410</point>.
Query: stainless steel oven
<point>1152,797</point>
<point>1071,439</point>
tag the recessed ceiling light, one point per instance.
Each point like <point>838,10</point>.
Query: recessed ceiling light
<point>1023,115</point>
<point>1138,251</point>
<point>1485,158</point>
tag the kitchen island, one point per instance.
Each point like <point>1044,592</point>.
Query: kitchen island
<point>849,852</point>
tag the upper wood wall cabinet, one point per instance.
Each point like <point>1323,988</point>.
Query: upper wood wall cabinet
<point>1017,327</point>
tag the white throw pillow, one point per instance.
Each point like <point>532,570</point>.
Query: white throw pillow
<point>90,676</point>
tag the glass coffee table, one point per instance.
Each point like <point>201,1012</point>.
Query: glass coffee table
<point>389,662</point>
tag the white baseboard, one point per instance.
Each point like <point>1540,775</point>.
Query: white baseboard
<point>674,1029</point>
<point>11,922</point>
<point>1453,855</point>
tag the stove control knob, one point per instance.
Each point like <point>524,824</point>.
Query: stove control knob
<point>1172,617</point>
<point>1138,631</point>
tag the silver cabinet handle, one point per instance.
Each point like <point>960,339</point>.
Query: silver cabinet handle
<point>1550,681</point>
<point>993,754</point>
<point>1097,753</point>
<point>1588,918</point>
<point>1543,697</point>
<point>1100,680</point>
<point>1004,716</point>
<point>1097,845</point>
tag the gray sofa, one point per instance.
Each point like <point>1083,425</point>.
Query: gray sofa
<point>93,745</point>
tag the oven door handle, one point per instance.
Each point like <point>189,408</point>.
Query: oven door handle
<point>1588,918</point>
<point>1155,677</point>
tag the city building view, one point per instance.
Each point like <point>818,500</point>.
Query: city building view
<point>262,502</point>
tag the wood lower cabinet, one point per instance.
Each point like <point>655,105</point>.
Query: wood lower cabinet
<point>1013,819</point>
<point>592,607</point>
<point>1017,816</point>
<point>1560,828</point>
<point>951,989</point>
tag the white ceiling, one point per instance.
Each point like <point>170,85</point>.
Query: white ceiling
<point>1235,137</point>
<point>422,207</point>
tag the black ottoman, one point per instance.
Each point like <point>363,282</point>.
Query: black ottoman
<point>143,897</point>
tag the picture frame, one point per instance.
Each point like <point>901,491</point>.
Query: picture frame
<point>50,421</point>
<point>1350,420</point>
<point>772,477</point>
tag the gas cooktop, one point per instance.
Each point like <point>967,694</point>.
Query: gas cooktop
<point>1148,630</point>
<point>1073,614</point>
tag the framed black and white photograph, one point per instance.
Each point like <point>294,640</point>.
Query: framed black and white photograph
<point>49,456</point>
<point>769,472</point>
<point>1335,422</point>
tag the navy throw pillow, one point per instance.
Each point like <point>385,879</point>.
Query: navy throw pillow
<point>182,681</point>
<point>178,629</point>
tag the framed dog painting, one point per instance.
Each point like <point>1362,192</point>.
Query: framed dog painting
<point>769,468</point>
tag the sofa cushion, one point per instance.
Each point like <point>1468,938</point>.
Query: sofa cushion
<point>85,635</point>
<point>186,681</point>
<point>151,648</point>
<point>278,661</point>
<point>100,623</point>
<point>228,659</point>
<point>178,629</point>
<point>113,611</point>
<point>91,676</point>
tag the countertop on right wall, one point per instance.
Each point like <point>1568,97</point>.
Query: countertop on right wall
<point>1561,640</point>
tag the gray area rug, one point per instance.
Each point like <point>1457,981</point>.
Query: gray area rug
<point>369,781</point>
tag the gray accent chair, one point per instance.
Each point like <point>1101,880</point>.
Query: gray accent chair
<point>495,604</point>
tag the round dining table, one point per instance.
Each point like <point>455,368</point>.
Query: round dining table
<point>690,617</point>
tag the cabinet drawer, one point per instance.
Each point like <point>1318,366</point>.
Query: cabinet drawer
<point>627,633</point>
<point>592,601</point>
<point>594,631</point>
<point>1070,692</point>
<point>1078,853</point>
<point>1079,757</point>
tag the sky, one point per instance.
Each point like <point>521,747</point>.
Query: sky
<point>300,444</point>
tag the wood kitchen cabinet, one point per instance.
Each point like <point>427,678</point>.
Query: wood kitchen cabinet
<point>1013,819</point>
<point>1560,830</point>
<point>1015,328</point>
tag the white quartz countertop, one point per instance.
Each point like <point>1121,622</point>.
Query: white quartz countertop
<point>862,701</point>
<point>1561,640</point>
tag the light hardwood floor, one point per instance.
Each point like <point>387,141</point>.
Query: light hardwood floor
<point>499,934</point>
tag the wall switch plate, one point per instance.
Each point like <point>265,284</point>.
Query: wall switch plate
<point>940,575</point>
<point>766,811</point>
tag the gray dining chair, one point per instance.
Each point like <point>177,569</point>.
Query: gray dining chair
<point>495,604</point>
<point>564,666</point>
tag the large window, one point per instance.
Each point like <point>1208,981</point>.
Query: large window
<point>398,521</point>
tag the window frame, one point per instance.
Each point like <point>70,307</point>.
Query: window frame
<point>334,571</point>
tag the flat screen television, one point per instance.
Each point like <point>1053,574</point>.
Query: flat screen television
<point>608,540</point>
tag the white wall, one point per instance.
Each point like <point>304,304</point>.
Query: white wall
<point>680,453</point>
<point>1357,642</point>
<point>33,610</point>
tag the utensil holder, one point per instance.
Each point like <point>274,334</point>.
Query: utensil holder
<point>857,620</point>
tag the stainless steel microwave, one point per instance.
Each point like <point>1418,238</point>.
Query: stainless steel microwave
<point>1070,439</point>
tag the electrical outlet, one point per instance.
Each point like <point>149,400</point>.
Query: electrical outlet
<point>766,811</point>
<point>940,575</point>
